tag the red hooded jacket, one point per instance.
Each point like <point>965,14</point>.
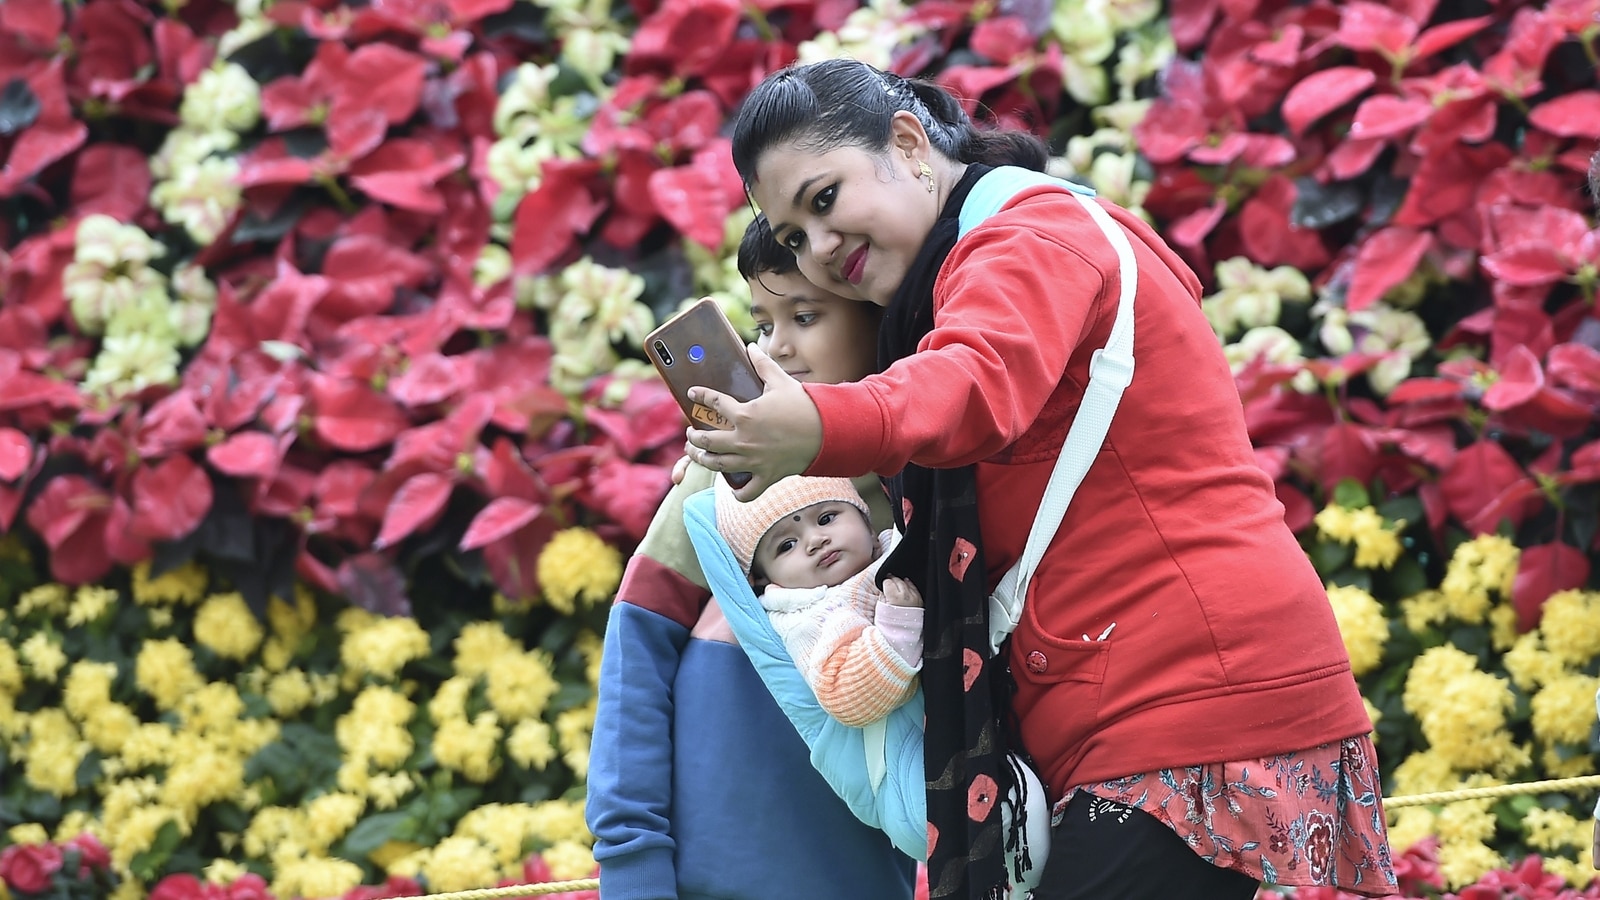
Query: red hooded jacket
<point>1222,645</point>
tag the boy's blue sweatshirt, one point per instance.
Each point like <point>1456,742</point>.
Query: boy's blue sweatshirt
<point>699,786</point>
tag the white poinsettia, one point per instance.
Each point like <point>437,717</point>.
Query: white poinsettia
<point>129,363</point>
<point>202,197</point>
<point>1249,296</point>
<point>870,34</point>
<point>110,270</point>
<point>1273,345</point>
<point>223,98</point>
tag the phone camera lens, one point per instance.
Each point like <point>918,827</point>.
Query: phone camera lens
<point>696,353</point>
<point>662,353</point>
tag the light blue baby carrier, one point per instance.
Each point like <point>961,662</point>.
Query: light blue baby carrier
<point>878,770</point>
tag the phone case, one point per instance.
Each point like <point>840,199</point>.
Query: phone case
<point>699,347</point>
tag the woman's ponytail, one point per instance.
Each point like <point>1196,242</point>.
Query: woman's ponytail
<point>968,144</point>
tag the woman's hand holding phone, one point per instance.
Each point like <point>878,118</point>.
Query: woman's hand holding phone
<point>773,436</point>
<point>699,348</point>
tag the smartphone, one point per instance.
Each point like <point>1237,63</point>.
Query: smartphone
<point>698,347</point>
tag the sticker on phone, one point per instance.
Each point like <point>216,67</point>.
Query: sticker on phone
<point>708,416</point>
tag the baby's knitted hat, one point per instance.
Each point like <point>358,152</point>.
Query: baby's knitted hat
<point>744,524</point>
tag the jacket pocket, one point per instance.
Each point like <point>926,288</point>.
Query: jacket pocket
<point>1058,689</point>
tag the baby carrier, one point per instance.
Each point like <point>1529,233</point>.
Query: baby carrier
<point>878,770</point>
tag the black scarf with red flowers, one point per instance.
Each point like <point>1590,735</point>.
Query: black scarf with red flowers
<point>968,695</point>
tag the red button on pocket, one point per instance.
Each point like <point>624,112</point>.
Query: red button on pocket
<point>1037,663</point>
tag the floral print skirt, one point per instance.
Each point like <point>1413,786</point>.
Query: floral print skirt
<point>1309,818</point>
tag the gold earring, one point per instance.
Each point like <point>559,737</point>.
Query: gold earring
<point>927,172</point>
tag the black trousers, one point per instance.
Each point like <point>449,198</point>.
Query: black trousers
<point>1106,851</point>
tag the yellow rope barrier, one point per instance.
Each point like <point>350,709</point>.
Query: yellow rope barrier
<point>1499,790</point>
<point>1433,799</point>
<point>518,890</point>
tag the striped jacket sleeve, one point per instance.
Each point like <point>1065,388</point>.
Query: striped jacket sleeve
<point>630,769</point>
<point>859,667</point>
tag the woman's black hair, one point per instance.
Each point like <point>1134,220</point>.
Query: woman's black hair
<point>835,103</point>
<point>760,252</point>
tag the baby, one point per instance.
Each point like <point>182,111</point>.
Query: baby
<point>807,546</point>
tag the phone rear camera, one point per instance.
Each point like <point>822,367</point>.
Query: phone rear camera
<point>696,353</point>
<point>665,355</point>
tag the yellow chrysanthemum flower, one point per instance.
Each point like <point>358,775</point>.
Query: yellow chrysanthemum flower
<point>469,748</point>
<point>531,744</point>
<point>459,864</point>
<point>10,670</point>
<point>186,584</point>
<point>43,656</point>
<point>1464,862</point>
<point>1434,667</point>
<point>316,877</point>
<point>1484,565</point>
<point>573,731</point>
<point>1424,610</point>
<point>1553,830</point>
<point>449,699</point>
<point>29,834</point>
<point>165,670</point>
<point>288,693</point>
<point>1570,623</point>
<point>224,872</point>
<point>380,646</point>
<point>559,820</point>
<point>110,728</point>
<point>329,816</point>
<point>1563,712</point>
<point>55,750</point>
<point>227,627</point>
<point>480,647</point>
<point>568,860</point>
<point>520,685</point>
<point>1424,772</point>
<point>89,604</point>
<point>50,599</point>
<point>578,566</point>
<point>200,776</point>
<point>591,645</point>
<point>1362,624</point>
<point>387,789</point>
<point>1529,664</point>
<point>138,832</point>
<point>149,745</point>
<point>87,688</point>
<point>293,621</point>
<point>1377,543</point>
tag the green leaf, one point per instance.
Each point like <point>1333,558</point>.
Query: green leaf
<point>1407,508</point>
<point>88,771</point>
<point>41,808</point>
<point>1348,577</point>
<point>373,832</point>
<point>150,864</point>
<point>1351,495</point>
<point>1329,556</point>
<point>277,761</point>
<point>1406,579</point>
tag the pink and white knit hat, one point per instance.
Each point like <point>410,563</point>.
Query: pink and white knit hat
<point>744,524</point>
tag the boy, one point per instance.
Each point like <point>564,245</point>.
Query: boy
<point>807,546</point>
<point>699,786</point>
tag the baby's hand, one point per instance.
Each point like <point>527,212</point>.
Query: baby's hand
<point>900,592</point>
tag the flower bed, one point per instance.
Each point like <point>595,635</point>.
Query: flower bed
<point>319,331</point>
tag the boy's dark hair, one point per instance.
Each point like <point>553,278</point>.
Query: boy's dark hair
<point>760,252</point>
<point>1594,178</point>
